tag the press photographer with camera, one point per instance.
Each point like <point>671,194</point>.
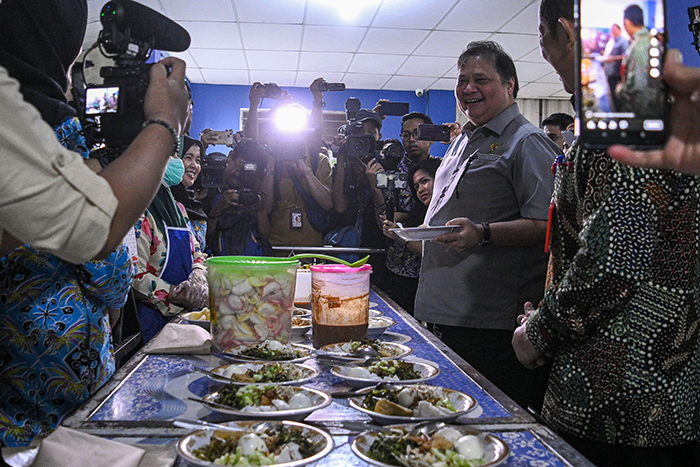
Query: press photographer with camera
<point>38,43</point>
<point>83,215</point>
<point>396,204</point>
<point>353,222</point>
<point>300,173</point>
<point>238,221</point>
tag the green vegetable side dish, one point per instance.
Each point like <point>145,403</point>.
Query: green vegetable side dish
<point>416,451</point>
<point>392,395</point>
<point>388,368</point>
<point>239,397</point>
<point>262,352</point>
<point>224,449</point>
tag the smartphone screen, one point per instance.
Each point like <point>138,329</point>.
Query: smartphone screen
<point>101,100</point>
<point>621,98</point>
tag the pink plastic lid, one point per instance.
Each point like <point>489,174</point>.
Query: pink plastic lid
<point>341,268</point>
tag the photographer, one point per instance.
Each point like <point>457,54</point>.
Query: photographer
<point>68,321</point>
<point>301,175</point>
<point>83,215</point>
<point>353,195</point>
<point>238,220</point>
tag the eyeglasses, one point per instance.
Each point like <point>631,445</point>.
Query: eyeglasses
<point>408,134</point>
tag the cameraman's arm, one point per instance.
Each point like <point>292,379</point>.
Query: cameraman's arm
<point>50,199</point>
<point>257,92</point>
<point>318,183</point>
<point>317,106</point>
<point>136,175</point>
<point>340,199</point>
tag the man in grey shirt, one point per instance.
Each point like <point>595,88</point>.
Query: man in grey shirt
<point>495,182</point>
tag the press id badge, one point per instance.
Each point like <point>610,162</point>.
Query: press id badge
<point>296,217</point>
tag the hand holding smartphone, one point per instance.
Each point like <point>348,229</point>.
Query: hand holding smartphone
<point>621,98</point>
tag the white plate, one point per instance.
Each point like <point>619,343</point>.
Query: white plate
<point>462,402</point>
<point>200,438</point>
<point>496,450</point>
<point>303,373</point>
<point>300,353</point>
<point>387,350</point>
<point>299,331</point>
<point>410,234</point>
<point>428,371</point>
<point>378,325</point>
<point>298,311</point>
<point>319,399</point>
<point>203,323</point>
<point>375,313</point>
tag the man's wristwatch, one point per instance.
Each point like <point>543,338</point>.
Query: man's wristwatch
<point>486,240</point>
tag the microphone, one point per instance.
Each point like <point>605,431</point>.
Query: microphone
<point>146,25</point>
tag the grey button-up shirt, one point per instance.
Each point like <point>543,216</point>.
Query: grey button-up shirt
<point>495,173</point>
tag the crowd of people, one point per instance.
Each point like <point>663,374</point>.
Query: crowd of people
<point>599,335</point>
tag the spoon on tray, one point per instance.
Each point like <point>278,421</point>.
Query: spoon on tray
<point>202,425</point>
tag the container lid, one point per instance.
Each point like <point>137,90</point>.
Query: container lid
<point>340,268</point>
<point>253,261</point>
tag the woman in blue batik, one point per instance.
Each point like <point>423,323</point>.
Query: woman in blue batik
<point>55,348</point>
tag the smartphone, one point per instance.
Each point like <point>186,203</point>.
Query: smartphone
<point>428,132</point>
<point>395,109</point>
<point>222,137</point>
<point>620,55</point>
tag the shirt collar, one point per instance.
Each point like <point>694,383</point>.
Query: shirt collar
<point>497,124</point>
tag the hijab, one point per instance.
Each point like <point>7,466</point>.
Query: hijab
<point>184,195</point>
<point>39,40</point>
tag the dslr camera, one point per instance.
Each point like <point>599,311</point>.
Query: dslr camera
<point>272,90</point>
<point>111,111</point>
<point>248,157</point>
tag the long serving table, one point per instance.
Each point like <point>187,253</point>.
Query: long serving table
<point>139,403</point>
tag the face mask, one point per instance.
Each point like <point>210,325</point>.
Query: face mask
<point>174,172</point>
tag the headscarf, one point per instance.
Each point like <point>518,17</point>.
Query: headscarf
<point>39,40</point>
<point>165,211</point>
<point>184,195</point>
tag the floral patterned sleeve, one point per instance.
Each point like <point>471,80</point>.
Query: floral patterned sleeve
<point>148,285</point>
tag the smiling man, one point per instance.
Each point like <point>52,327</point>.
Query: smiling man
<point>495,182</point>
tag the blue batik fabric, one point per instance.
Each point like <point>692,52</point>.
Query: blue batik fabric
<point>55,348</point>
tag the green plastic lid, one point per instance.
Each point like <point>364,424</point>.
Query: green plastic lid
<point>251,261</point>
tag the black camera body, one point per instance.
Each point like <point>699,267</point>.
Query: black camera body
<point>325,86</point>
<point>112,113</point>
<point>213,167</point>
<point>357,144</point>
<point>272,90</point>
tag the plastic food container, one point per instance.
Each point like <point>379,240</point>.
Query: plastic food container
<point>302,290</point>
<point>339,303</point>
<point>251,299</point>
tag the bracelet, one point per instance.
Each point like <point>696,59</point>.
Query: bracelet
<point>173,133</point>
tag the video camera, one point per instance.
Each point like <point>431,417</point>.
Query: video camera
<point>112,111</point>
<point>363,146</point>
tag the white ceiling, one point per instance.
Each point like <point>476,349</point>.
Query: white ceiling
<point>390,44</point>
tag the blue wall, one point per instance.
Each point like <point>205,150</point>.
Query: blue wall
<point>218,106</point>
<point>679,37</point>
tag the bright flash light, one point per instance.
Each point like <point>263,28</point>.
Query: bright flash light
<point>291,119</point>
<point>347,9</point>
